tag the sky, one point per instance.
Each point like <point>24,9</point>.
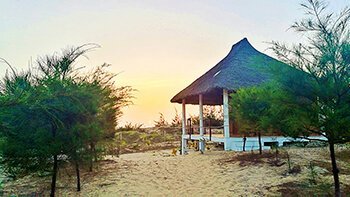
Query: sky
<point>157,46</point>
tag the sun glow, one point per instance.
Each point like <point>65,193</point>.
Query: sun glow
<point>158,47</point>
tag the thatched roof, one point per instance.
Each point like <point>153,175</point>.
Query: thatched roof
<point>244,66</point>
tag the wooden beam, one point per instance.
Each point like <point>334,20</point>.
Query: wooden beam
<point>226,114</point>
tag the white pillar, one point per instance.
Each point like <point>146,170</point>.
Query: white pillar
<point>226,117</point>
<point>184,141</point>
<point>201,123</point>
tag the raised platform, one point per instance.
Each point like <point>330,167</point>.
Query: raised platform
<point>252,143</point>
<point>214,138</point>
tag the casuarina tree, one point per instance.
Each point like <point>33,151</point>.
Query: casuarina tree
<point>316,100</point>
<point>251,108</point>
<point>55,114</point>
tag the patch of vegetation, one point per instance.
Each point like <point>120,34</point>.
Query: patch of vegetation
<point>131,127</point>
<point>316,144</point>
<point>315,184</point>
<point>147,139</point>
<point>344,155</point>
<point>310,187</point>
<point>296,189</point>
<point>267,157</point>
<point>292,169</point>
<point>306,144</point>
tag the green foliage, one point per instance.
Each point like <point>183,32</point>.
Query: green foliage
<point>313,95</point>
<point>317,95</point>
<point>316,144</point>
<point>251,107</point>
<point>1,179</point>
<point>57,112</point>
<point>313,174</point>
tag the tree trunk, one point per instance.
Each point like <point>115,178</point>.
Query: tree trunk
<point>244,142</point>
<point>78,175</point>
<point>54,176</point>
<point>95,153</point>
<point>55,166</point>
<point>91,165</point>
<point>260,146</point>
<point>335,170</point>
<point>91,157</point>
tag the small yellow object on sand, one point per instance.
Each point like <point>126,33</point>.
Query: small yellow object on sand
<point>173,152</point>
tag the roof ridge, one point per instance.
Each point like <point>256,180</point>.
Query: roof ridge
<point>242,43</point>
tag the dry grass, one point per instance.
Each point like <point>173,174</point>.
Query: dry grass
<point>132,141</point>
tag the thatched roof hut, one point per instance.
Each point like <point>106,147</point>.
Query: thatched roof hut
<point>244,66</point>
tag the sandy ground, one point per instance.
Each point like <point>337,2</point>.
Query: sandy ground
<point>158,173</point>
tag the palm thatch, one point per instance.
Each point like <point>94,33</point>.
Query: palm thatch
<point>244,66</point>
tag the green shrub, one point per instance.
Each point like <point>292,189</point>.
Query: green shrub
<point>315,144</point>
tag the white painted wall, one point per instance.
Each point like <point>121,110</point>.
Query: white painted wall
<point>252,143</point>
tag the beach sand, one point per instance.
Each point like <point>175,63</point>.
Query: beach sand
<point>158,173</point>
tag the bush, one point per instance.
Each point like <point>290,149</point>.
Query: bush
<point>316,144</point>
<point>131,127</point>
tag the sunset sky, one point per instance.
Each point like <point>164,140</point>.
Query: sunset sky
<point>158,46</point>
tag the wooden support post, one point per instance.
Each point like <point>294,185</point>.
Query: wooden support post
<point>201,124</point>
<point>209,129</point>
<point>183,142</point>
<point>226,117</point>
<point>190,129</point>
